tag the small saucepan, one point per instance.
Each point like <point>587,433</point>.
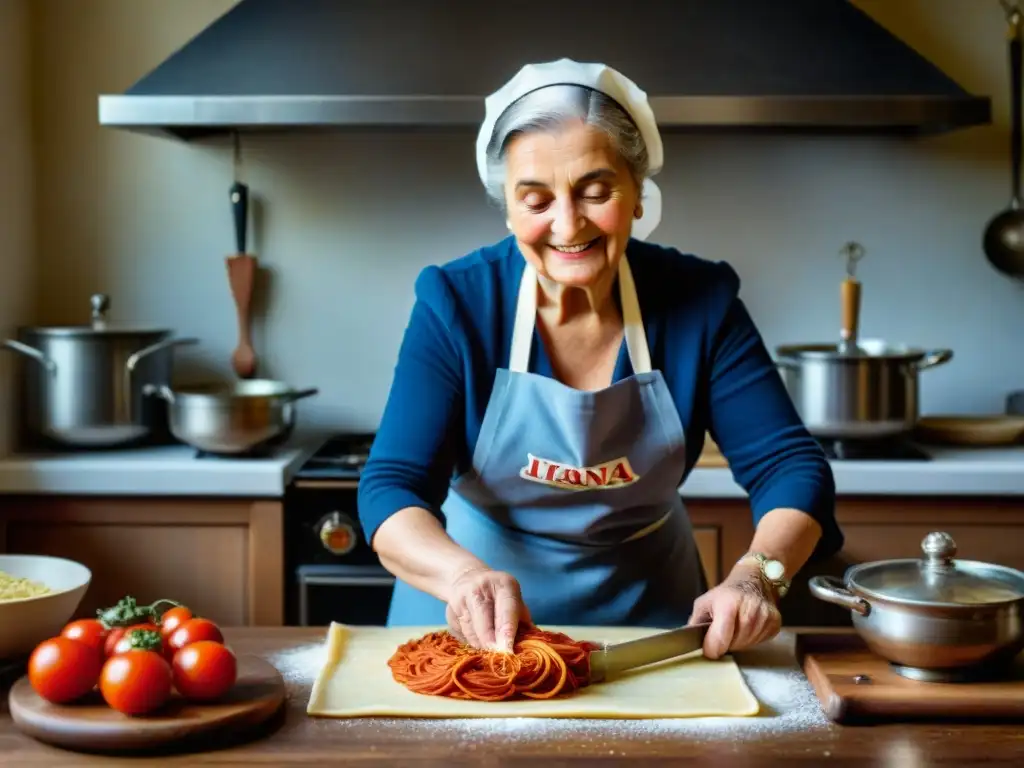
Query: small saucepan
<point>235,419</point>
<point>934,619</point>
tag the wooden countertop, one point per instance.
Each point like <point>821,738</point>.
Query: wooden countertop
<point>300,740</point>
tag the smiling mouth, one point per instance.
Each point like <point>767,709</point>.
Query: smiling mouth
<point>579,248</point>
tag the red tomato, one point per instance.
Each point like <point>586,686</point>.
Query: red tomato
<point>192,631</point>
<point>204,670</point>
<point>118,632</point>
<point>173,618</point>
<point>147,639</point>
<point>61,669</point>
<point>88,632</point>
<point>136,682</point>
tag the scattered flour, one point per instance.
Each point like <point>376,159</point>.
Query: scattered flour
<point>788,705</point>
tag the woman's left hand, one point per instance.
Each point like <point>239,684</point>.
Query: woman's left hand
<point>742,613</point>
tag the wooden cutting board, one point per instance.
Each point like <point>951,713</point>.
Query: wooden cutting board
<point>834,663</point>
<point>92,726</point>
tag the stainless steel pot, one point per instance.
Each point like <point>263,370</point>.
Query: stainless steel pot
<point>240,418</point>
<point>936,619</point>
<point>869,393</point>
<point>84,385</point>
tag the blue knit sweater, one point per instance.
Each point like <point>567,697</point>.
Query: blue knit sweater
<point>701,337</point>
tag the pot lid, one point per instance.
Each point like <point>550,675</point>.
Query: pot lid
<point>99,325</point>
<point>871,348</point>
<point>938,579</point>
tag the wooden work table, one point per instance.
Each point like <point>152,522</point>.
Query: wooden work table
<point>300,740</point>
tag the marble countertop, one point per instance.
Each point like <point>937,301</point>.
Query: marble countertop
<point>950,472</point>
<point>175,470</point>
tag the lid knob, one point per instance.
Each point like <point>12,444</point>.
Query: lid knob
<point>100,303</point>
<point>852,252</point>
<point>939,549</point>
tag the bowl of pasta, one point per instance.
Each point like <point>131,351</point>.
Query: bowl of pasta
<point>38,596</point>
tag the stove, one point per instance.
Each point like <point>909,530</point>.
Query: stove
<point>342,457</point>
<point>331,572</point>
<point>891,449</point>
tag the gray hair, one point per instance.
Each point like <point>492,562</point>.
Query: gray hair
<point>547,109</point>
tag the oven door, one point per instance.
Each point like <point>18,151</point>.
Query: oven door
<point>359,595</point>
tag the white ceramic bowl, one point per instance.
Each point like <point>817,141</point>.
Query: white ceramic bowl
<point>26,623</point>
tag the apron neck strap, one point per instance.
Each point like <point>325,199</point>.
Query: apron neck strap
<point>526,318</point>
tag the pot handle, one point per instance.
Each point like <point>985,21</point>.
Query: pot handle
<point>32,352</point>
<point>299,394</point>
<point>935,357</point>
<point>134,360</point>
<point>162,391</point>
<point>788,364</point>
<point>831,590</point>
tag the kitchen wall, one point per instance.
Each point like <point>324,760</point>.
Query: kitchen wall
<point>344,223</point>
<point>16,264</point>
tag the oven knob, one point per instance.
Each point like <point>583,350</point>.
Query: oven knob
<point>338,534</point>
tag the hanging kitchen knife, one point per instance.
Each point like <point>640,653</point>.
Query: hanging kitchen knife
<point>619,657</point>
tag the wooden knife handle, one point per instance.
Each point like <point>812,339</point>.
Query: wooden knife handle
<point>849,300</point>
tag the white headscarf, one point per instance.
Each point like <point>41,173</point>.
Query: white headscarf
<point>599,77</point>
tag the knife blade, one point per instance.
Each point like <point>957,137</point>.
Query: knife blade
<point>619,657</point>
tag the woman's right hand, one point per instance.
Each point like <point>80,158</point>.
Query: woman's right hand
<point>485,608</point>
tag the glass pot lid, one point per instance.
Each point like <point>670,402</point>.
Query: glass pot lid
<point>98,325</point>
<point>937,579</point>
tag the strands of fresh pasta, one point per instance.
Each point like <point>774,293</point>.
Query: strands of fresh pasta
<point>19,588</point>
<point>542,665</point>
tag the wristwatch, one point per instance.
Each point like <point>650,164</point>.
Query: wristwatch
<point>773,572</point>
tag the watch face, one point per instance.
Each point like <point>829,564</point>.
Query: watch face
<point>774,570</point>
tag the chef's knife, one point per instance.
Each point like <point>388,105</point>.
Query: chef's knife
<point>612,659</point>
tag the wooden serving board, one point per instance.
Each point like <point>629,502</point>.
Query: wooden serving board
<point>834,663</point>
<point>90,725</point>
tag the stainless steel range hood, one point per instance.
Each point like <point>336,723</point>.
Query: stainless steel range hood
<point>709,65</point>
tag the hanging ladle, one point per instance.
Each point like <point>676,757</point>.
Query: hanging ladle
<point>1004,235</point>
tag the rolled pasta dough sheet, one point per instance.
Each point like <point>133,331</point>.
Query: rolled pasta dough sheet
<point>356,681</point>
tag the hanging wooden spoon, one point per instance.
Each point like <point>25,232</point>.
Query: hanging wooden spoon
<point>241,276</point>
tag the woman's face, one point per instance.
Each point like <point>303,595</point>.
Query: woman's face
<point>571,203</point>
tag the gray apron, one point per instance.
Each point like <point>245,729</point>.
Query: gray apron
<point>575,493</point>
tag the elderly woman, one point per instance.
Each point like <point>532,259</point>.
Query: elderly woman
<point>553,390</point>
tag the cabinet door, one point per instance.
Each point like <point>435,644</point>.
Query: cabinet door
<point>998,544</point>
<point>202,567</point>
<point>221,558</point>
<point>708,547</point>
<point>983,529</point>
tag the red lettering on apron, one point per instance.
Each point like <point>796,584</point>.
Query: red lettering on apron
<point>608,475</point>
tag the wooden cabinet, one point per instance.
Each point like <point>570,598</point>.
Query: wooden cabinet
<point>708,547</point>
<point>223,558</point>
<point>723,532</point>
<point>876,528</point>
<point>984,529</point>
